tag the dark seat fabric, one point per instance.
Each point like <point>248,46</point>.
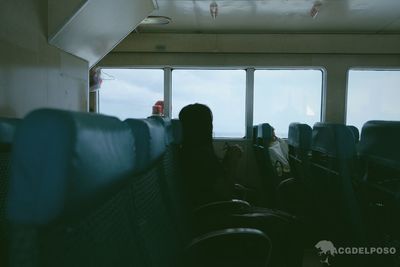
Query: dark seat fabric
<point>336,206</point>
<point>152,140</point>
<point>355,133</point>
<point>68,203</point>
<point>269,178</point>
<point>174,183</point>
<point>220,218</point>
<point>8,127</point>
<point>299,142</point>
<point>380,142</point>
<point>151,199</point>
<point>246,247</point>
<point>160,200</point>
<point>379,151</point>
<point>293,192</point>
<point>176,131</point>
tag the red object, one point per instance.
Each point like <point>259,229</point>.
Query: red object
<point>158,108</point>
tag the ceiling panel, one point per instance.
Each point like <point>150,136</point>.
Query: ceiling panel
<point>272,16</point>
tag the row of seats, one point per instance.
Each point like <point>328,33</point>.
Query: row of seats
<point>341,178</point>
<point>90,190</point>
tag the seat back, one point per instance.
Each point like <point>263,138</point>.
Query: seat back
<point>269,177</point>
<point>151,198</point>
<point>174,183</point>
<point>89,190</point>
<point>7,130</point>
<point>299,142</point>
<point>176,131</point>
<point>336,206</point>
<point>8,127</point>
<point>355,132</point>
<point>379,151</point>
<point>69,203</point>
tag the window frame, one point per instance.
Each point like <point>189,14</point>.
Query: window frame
<point>249,89</point>
<point>323,71</point>
<point>98,106</point>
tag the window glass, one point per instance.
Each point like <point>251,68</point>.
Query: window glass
<point>130,93</point>
<point>223,91</point>
<point>285,96</point>
<point>372,95</point>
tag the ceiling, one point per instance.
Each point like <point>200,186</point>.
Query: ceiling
<point>278,16</point>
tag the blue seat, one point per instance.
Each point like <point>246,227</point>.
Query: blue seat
<point>293,192</point>
<point>380,142</point>
<point>160,205</point>
<point>299,142</point>
<point>69,204</point>
<point>90,190</point>
<point>176,131</point>
<point>8,127</point>
<point>336,207</point>
<point>151,198</point>
<point>379,151</point>
<point>355,132</point>
<point>268,175</point>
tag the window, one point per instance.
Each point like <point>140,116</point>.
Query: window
<point>221,90</point>
<point>372,95</point>
<point>285,96</point>
<point>130,93</point>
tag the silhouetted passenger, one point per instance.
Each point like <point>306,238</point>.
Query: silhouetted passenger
<point>208,180</point>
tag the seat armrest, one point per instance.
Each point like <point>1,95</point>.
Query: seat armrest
<point>223,207</point>
<point>229,247</point>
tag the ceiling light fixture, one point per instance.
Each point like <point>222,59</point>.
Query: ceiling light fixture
<point>156,20</point>
<point>213,9</point>
<point>315,9</point>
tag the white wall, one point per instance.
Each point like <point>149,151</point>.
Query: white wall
<point>34,74</point>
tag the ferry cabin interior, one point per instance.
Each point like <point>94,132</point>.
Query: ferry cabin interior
<point>65,172</point>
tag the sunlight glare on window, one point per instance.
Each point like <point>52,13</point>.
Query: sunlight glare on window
<point>285,96</point>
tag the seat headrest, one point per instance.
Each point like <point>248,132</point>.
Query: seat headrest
<point>176,131</point>
<point>151,140</point>
<point>63,162</point>
<point>264,132</point>
<point>380,141</point>
<point>355,132</point>
<point>334,140</point>
<point>255,134</point>
<point>8,127</point>
<point>300,135</point>
<point>167,123</point>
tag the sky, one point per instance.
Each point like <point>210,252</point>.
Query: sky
<point>373,95</point>
<point>280,96</point>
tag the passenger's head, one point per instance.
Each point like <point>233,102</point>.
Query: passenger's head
<point>196,120</point>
